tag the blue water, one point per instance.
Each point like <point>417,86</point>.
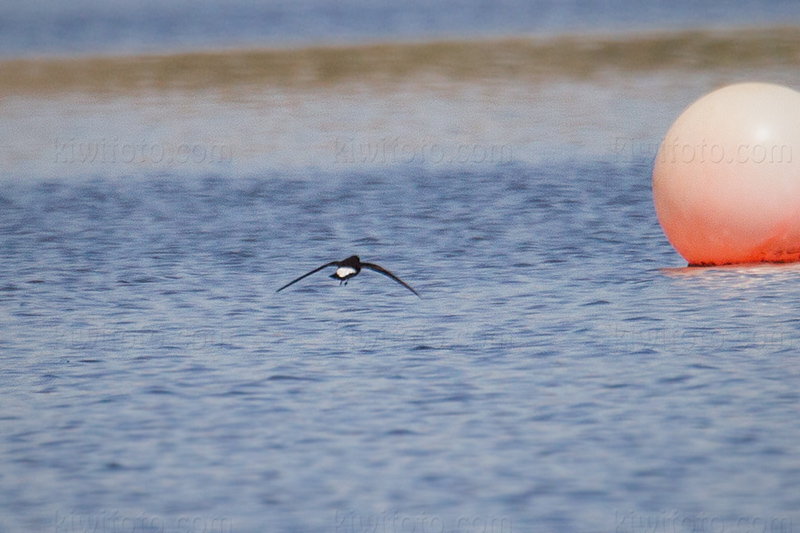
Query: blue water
<point>112,26</point>
<point>563,371</point>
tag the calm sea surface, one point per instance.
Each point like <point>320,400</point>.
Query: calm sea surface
<point>563,371</point>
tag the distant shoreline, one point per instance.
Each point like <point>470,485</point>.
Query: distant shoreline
<point>578,56</point>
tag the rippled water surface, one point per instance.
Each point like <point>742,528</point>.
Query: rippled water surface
<point>563,370</point>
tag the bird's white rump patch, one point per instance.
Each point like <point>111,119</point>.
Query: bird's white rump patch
<point>343,272</point>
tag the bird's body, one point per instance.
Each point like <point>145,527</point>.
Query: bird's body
<point>349,268</point>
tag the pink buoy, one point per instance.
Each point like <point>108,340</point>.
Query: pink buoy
<point>726,180</point>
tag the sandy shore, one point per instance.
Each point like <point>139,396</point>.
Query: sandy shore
<point>571,57</point>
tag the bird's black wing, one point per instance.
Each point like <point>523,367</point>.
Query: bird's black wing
<point>326,265</point>
<point>381,270</point>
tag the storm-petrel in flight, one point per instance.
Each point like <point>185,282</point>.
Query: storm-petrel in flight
<point>351,267</point>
